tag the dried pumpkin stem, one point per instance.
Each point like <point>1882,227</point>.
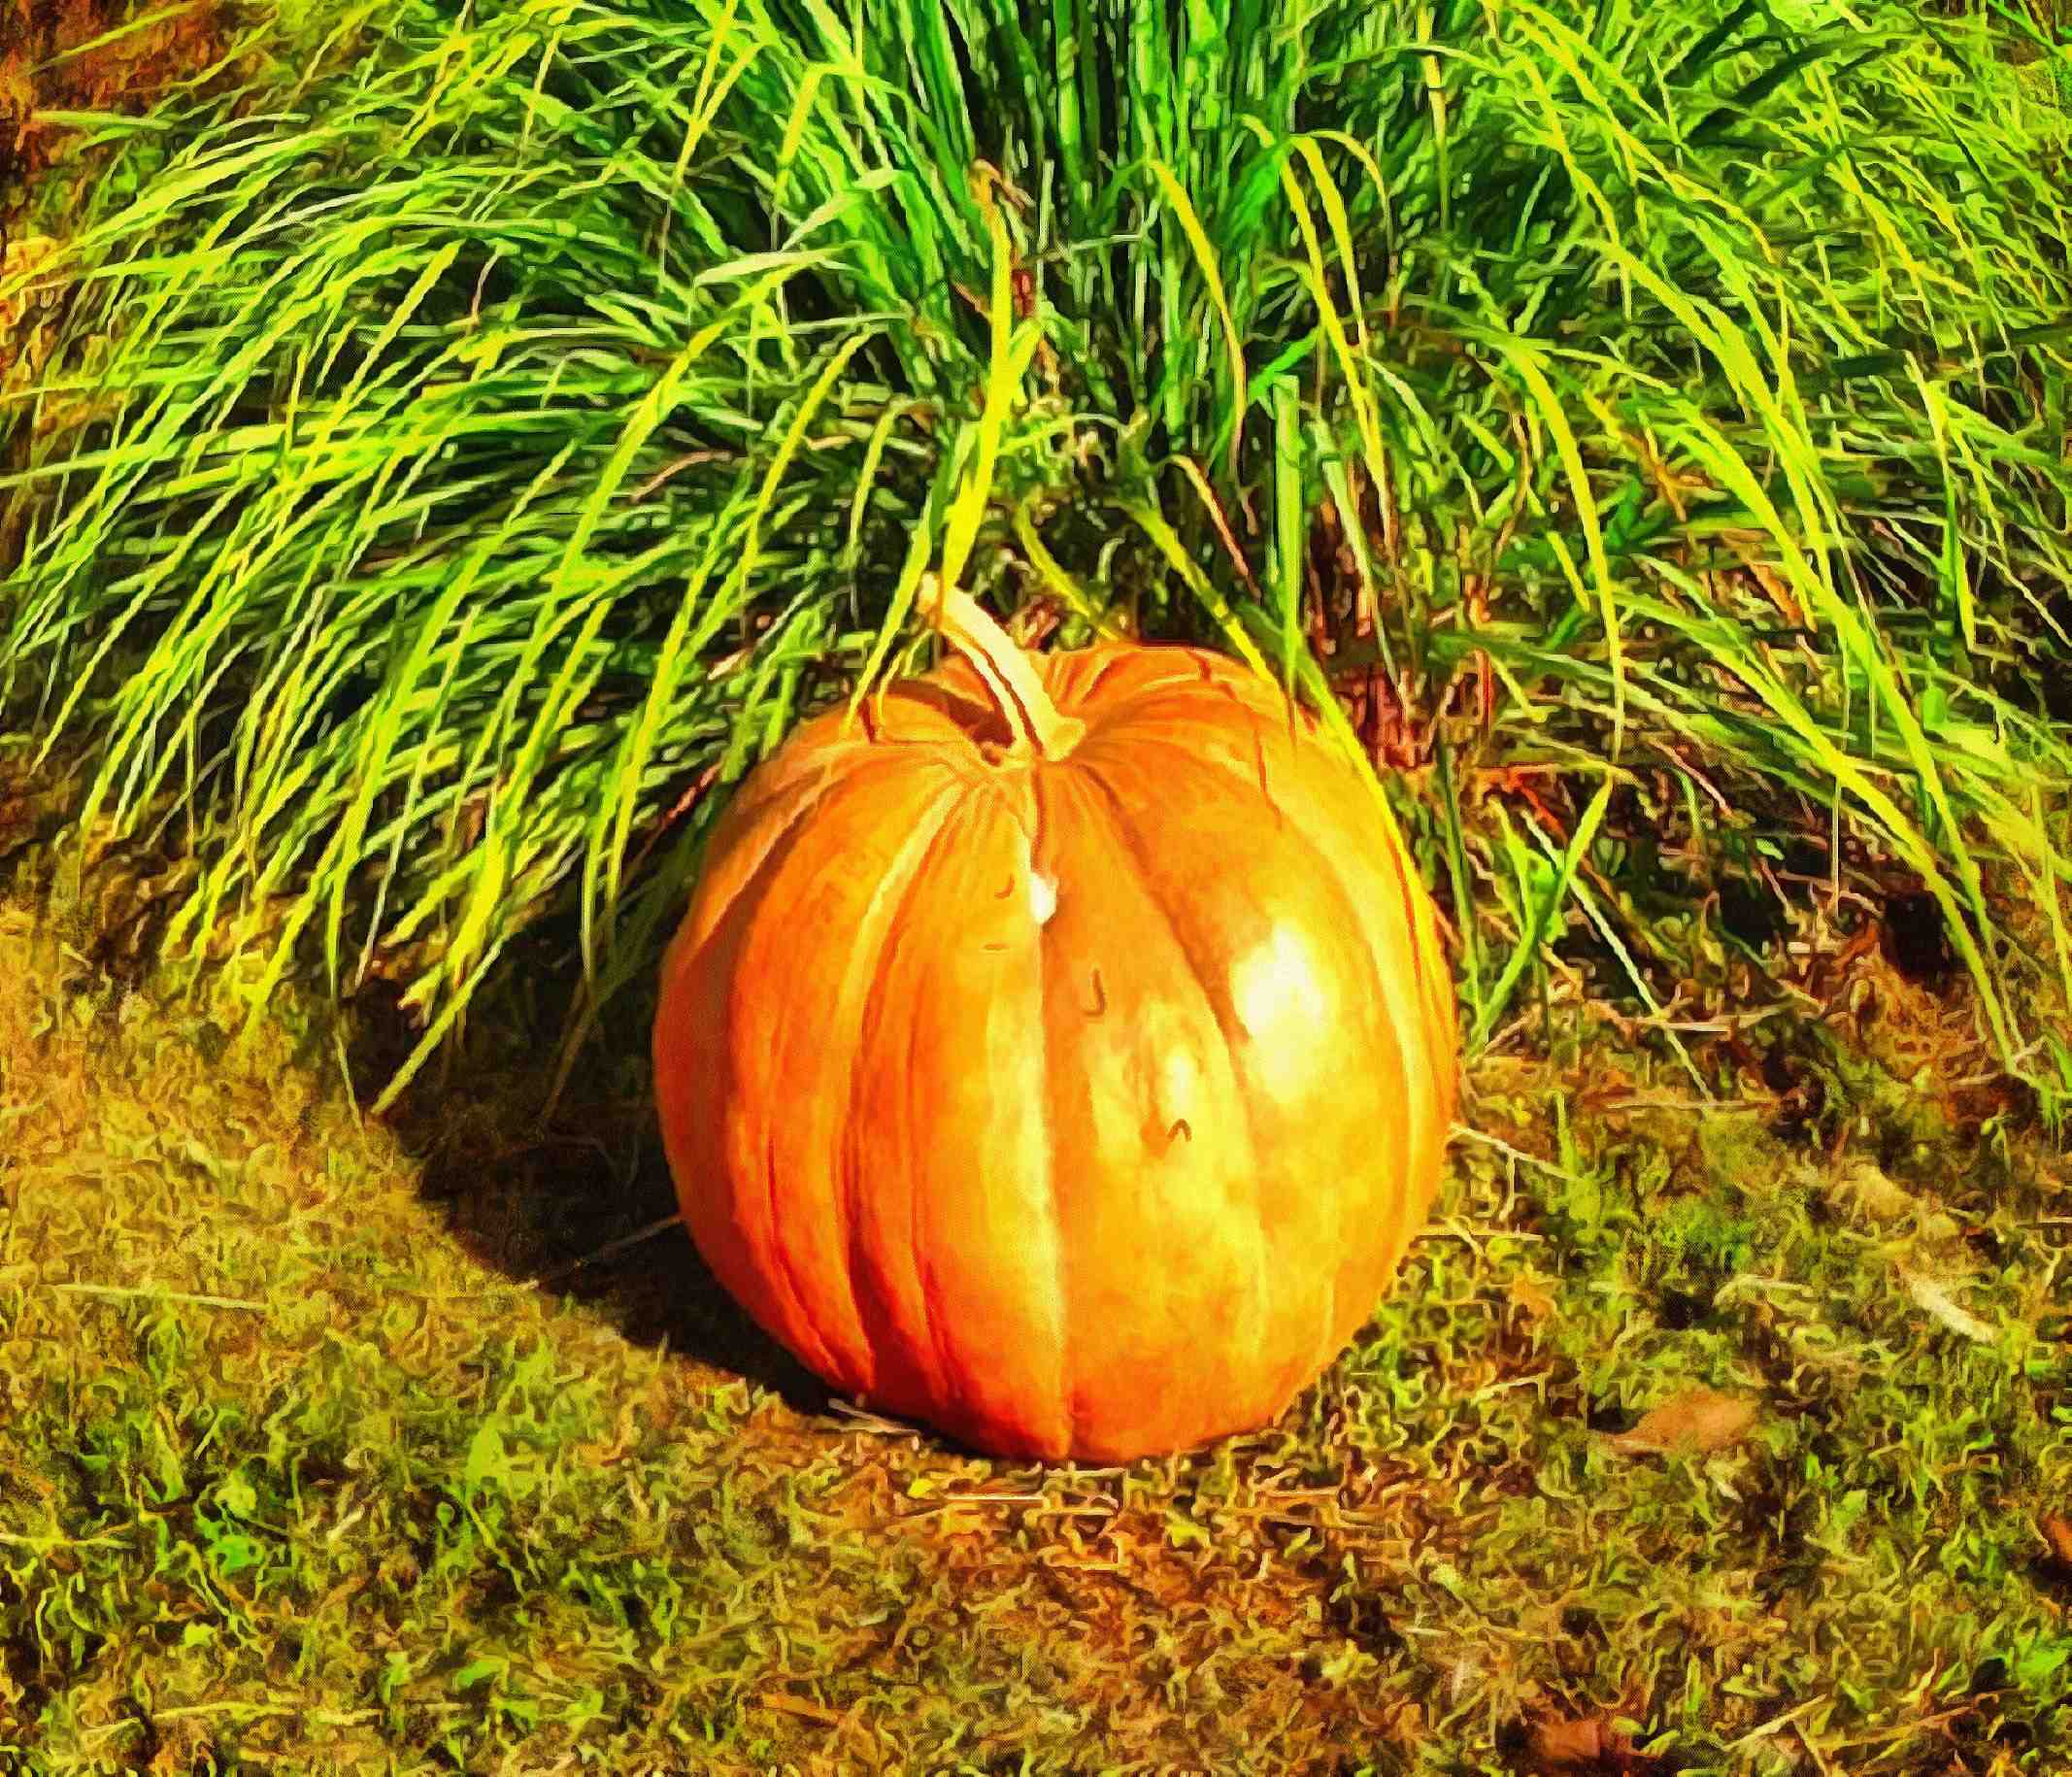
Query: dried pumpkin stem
<point>1038,724</point>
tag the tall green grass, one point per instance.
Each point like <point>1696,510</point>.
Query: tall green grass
<point>442,474</point>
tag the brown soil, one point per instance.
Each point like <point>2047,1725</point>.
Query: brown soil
<point>45,69</point>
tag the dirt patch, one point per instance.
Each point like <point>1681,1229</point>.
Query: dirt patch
<point>58,56</point>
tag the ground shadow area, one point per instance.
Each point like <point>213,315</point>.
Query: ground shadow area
<point>545,1201</point>
<point>569,1204</point>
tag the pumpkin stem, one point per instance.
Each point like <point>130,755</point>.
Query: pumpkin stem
<point>1037,724</point>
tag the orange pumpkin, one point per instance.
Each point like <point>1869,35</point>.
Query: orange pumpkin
<point>1059,1052</point>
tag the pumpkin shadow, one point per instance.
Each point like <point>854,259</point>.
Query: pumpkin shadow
<point>569,1206</point>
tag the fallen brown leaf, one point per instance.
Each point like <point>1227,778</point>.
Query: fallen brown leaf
<point>2058,1532</point>
<point>1702,1418</point>
<point>1587,1746</point>
<point>1558,1743</point>
<point>1527,1294</point>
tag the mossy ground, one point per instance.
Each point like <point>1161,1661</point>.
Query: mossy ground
<point>316,1454</point>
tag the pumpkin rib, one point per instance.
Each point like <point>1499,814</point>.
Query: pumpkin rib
<point>1390,1030</point>
<point>1068,1392</point>
<point>745,901</point>
<point>792,839</point>
<point>932,1359</point>
<point>1410,1025</point>
<point>871,943</point>
<point>804,1305</point>
<point>1146,874</point>
<point>861,978</point>
<point>1065,670</point>
<point>1401,1024</point>
<point>928,1289</point>
<point>1422,933</point>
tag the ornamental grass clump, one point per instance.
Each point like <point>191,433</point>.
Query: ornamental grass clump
<point>1649,423</point>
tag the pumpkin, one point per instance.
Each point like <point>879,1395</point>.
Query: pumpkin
<point>1057,1050</point>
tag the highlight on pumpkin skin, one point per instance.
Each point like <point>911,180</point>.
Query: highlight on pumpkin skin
<point>1043,898</point>
<point>1280,1001</point>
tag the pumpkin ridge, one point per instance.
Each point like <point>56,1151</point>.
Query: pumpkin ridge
<point>1417,1021</point>
<point>911,871</point>
<point>792,829</point>
<point>803,1303</point>
<point>858,986</point>
<point>1327,868</point>
<point>1419,929</point>
<point>1141,864</point>
<point>1416,1030</point>
<point>743,901</point>
<point>1067,1387</point>
<point>1253,779</point>
<point>1063,668</point>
